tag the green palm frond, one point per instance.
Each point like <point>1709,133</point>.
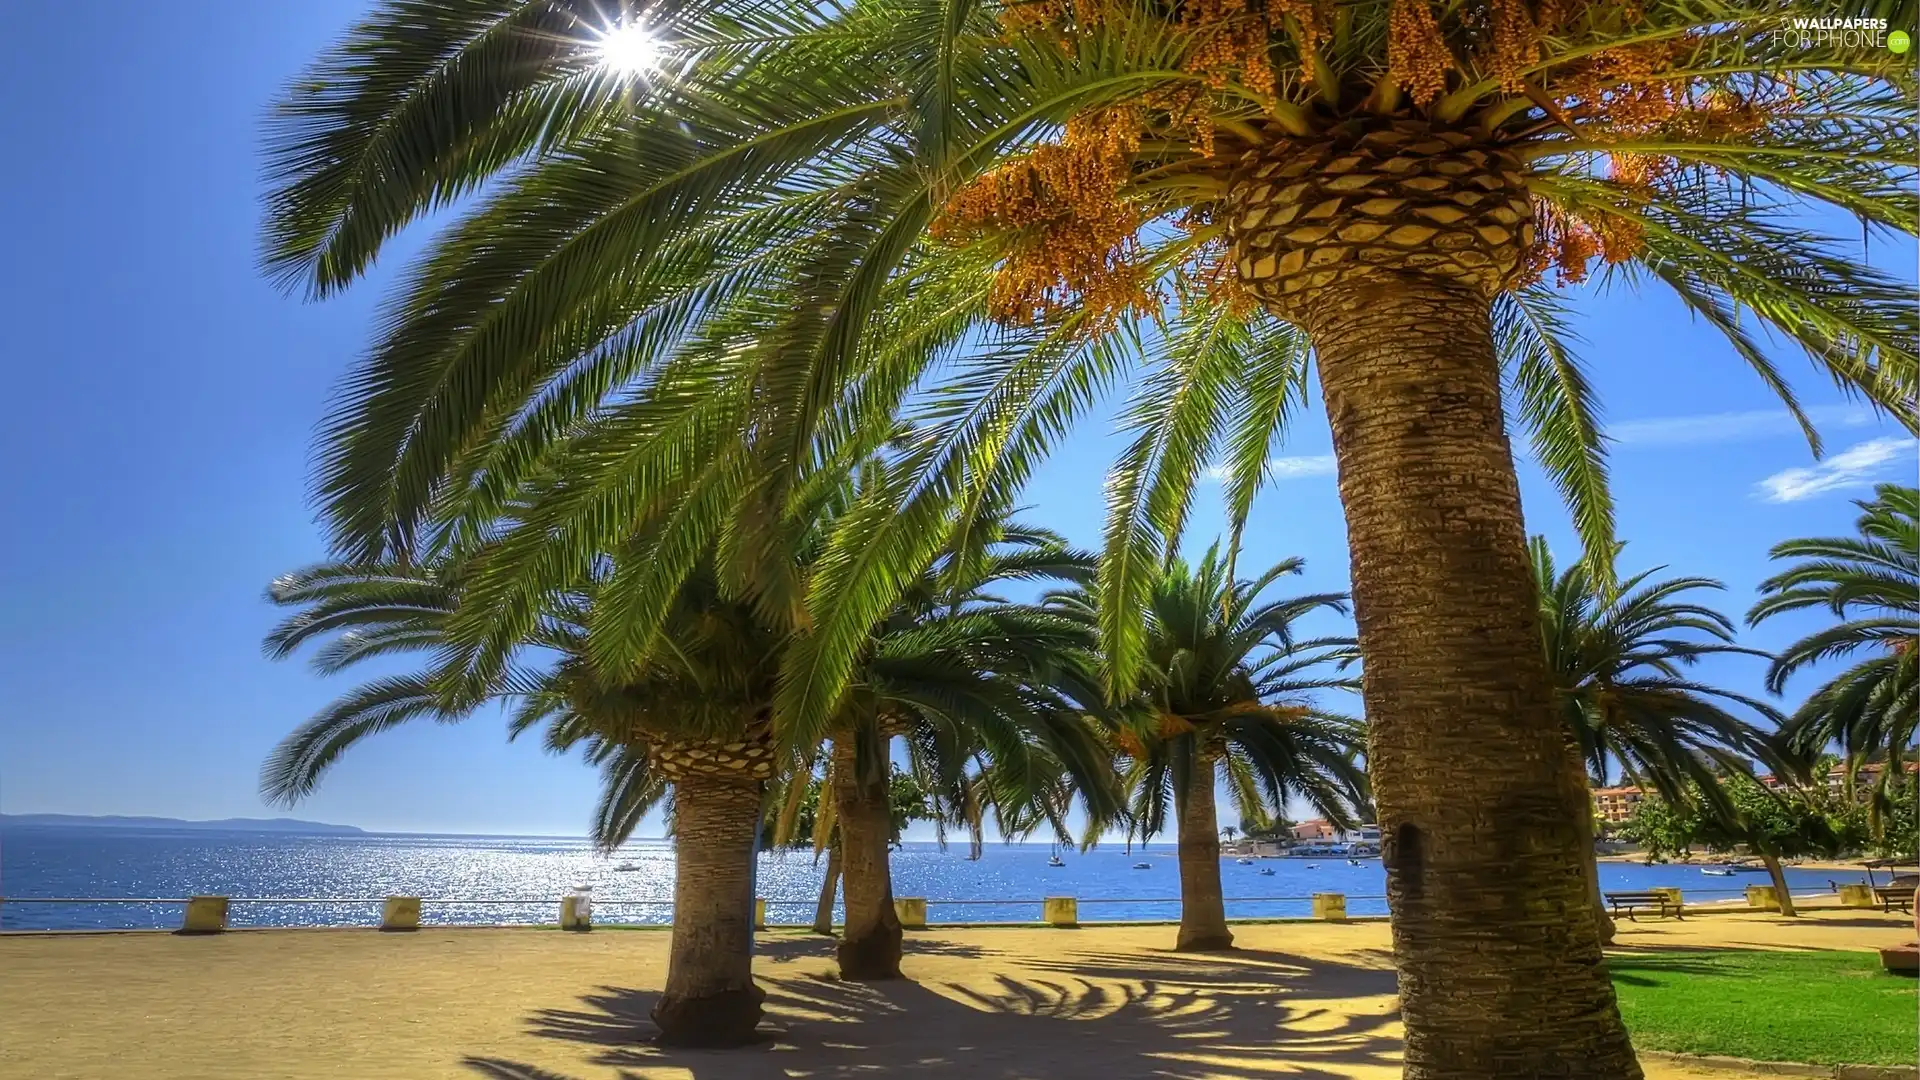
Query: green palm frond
<point>666,311</point>
<point>1620,661</point>
<point>1871,584</point>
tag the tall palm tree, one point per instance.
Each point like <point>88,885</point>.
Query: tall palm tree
<point>738,257</point>
<point>695,720</point>
<point>1225,696</point>
<point>966,675</point>
<point>1620,661</point>
<point>966,678</point>
<point>1871,582</point>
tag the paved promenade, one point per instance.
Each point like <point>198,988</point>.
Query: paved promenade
<point>1306,1001</point>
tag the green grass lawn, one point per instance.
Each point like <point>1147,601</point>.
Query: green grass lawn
<point>1828,1008</point>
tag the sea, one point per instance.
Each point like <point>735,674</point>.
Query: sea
<point>300,880</point>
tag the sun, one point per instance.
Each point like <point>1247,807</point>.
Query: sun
<point>628,48</point>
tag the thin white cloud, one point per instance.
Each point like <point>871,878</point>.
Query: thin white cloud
<point>1851,467</point>
<point>1731,426</point>
<point>1292,468</point>
<point>1287,468</point>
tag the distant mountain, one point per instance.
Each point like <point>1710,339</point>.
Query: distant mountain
<point>89,821</point>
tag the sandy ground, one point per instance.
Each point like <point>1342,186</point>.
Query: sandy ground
<point>1309,1001</point>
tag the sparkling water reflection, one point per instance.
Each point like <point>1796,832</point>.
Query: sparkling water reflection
<point>1005,885</point>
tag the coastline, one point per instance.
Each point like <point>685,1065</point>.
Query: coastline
<point>1850,866</point>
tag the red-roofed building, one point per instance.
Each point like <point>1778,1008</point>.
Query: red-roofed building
<point>1316,829</point>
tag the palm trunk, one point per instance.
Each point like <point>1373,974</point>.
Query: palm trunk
<point>1577,779</point>
<point>710,999</point>
<point>1203,910</point>
<point>870,944</point>
<point>823,910</point>
<point>1500,967</point>
<point>1779,884</point>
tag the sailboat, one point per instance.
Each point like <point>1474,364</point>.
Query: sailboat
<point>1053,857</point>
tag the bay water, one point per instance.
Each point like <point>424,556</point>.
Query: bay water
<point>503,879</point>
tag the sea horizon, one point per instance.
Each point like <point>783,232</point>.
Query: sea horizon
<point>293,879</point>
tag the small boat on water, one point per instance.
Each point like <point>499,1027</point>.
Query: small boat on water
<point>1313,866</point>
<point>1266,871</point>
<point>626,867</point>
<point>1353,862</point>
<point>1055,860</point>
<point>1143,866</point>
<point>1243,861</point>
<point>1717,871</point>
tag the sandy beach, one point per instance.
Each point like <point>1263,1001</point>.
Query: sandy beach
<point>1302,1000</point>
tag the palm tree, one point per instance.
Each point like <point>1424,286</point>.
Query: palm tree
<point>804,818</point>
<point>1620,661</point>
<point>695,721</point>
<point>966,675</point>
<point>1868,582</point>
<point>740,257</point>
<point>1223,698</point>
<point>969,679</point>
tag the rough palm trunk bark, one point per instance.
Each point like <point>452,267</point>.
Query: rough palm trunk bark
<point>1500,967</point>
<point>823,909</point>
<point>1780,884</point>
<point>1577,780</point>
<point>710,999</point>
<point>870,943</point>
<point>1203,910</point>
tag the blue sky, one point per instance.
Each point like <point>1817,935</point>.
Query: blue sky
<point>154,460</point>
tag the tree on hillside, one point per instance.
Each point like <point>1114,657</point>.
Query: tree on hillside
<point>1663,828</point>
<point>809,217</point>
<point>1871,583</point>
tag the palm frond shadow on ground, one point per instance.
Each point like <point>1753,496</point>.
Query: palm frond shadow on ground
<point>1229,1018</point>
<point>783,950</point>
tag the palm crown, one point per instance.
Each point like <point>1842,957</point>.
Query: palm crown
<point>969,676</point>
<point>1228,687</point>
<point>1623,665</point>
<point>727,267</point>
<point>1868,582</point>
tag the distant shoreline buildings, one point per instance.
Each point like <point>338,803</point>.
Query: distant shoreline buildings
<point>1616,804</point>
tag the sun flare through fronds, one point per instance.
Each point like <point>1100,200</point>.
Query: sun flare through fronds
<point>628,47</point>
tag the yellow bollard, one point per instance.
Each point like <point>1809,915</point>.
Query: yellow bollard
<point>575,915</point>
<point>1857,895</point>
<point>1761,898</point>
<point>1062,911</point>
<point>1330,906</point>
<point>205,915</point>
<point>400,913</point>
<point>911,911</point>
<point>759,913</point>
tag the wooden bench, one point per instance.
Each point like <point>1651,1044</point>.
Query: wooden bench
<point>1894,896</point>
<point>1626,903</point>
